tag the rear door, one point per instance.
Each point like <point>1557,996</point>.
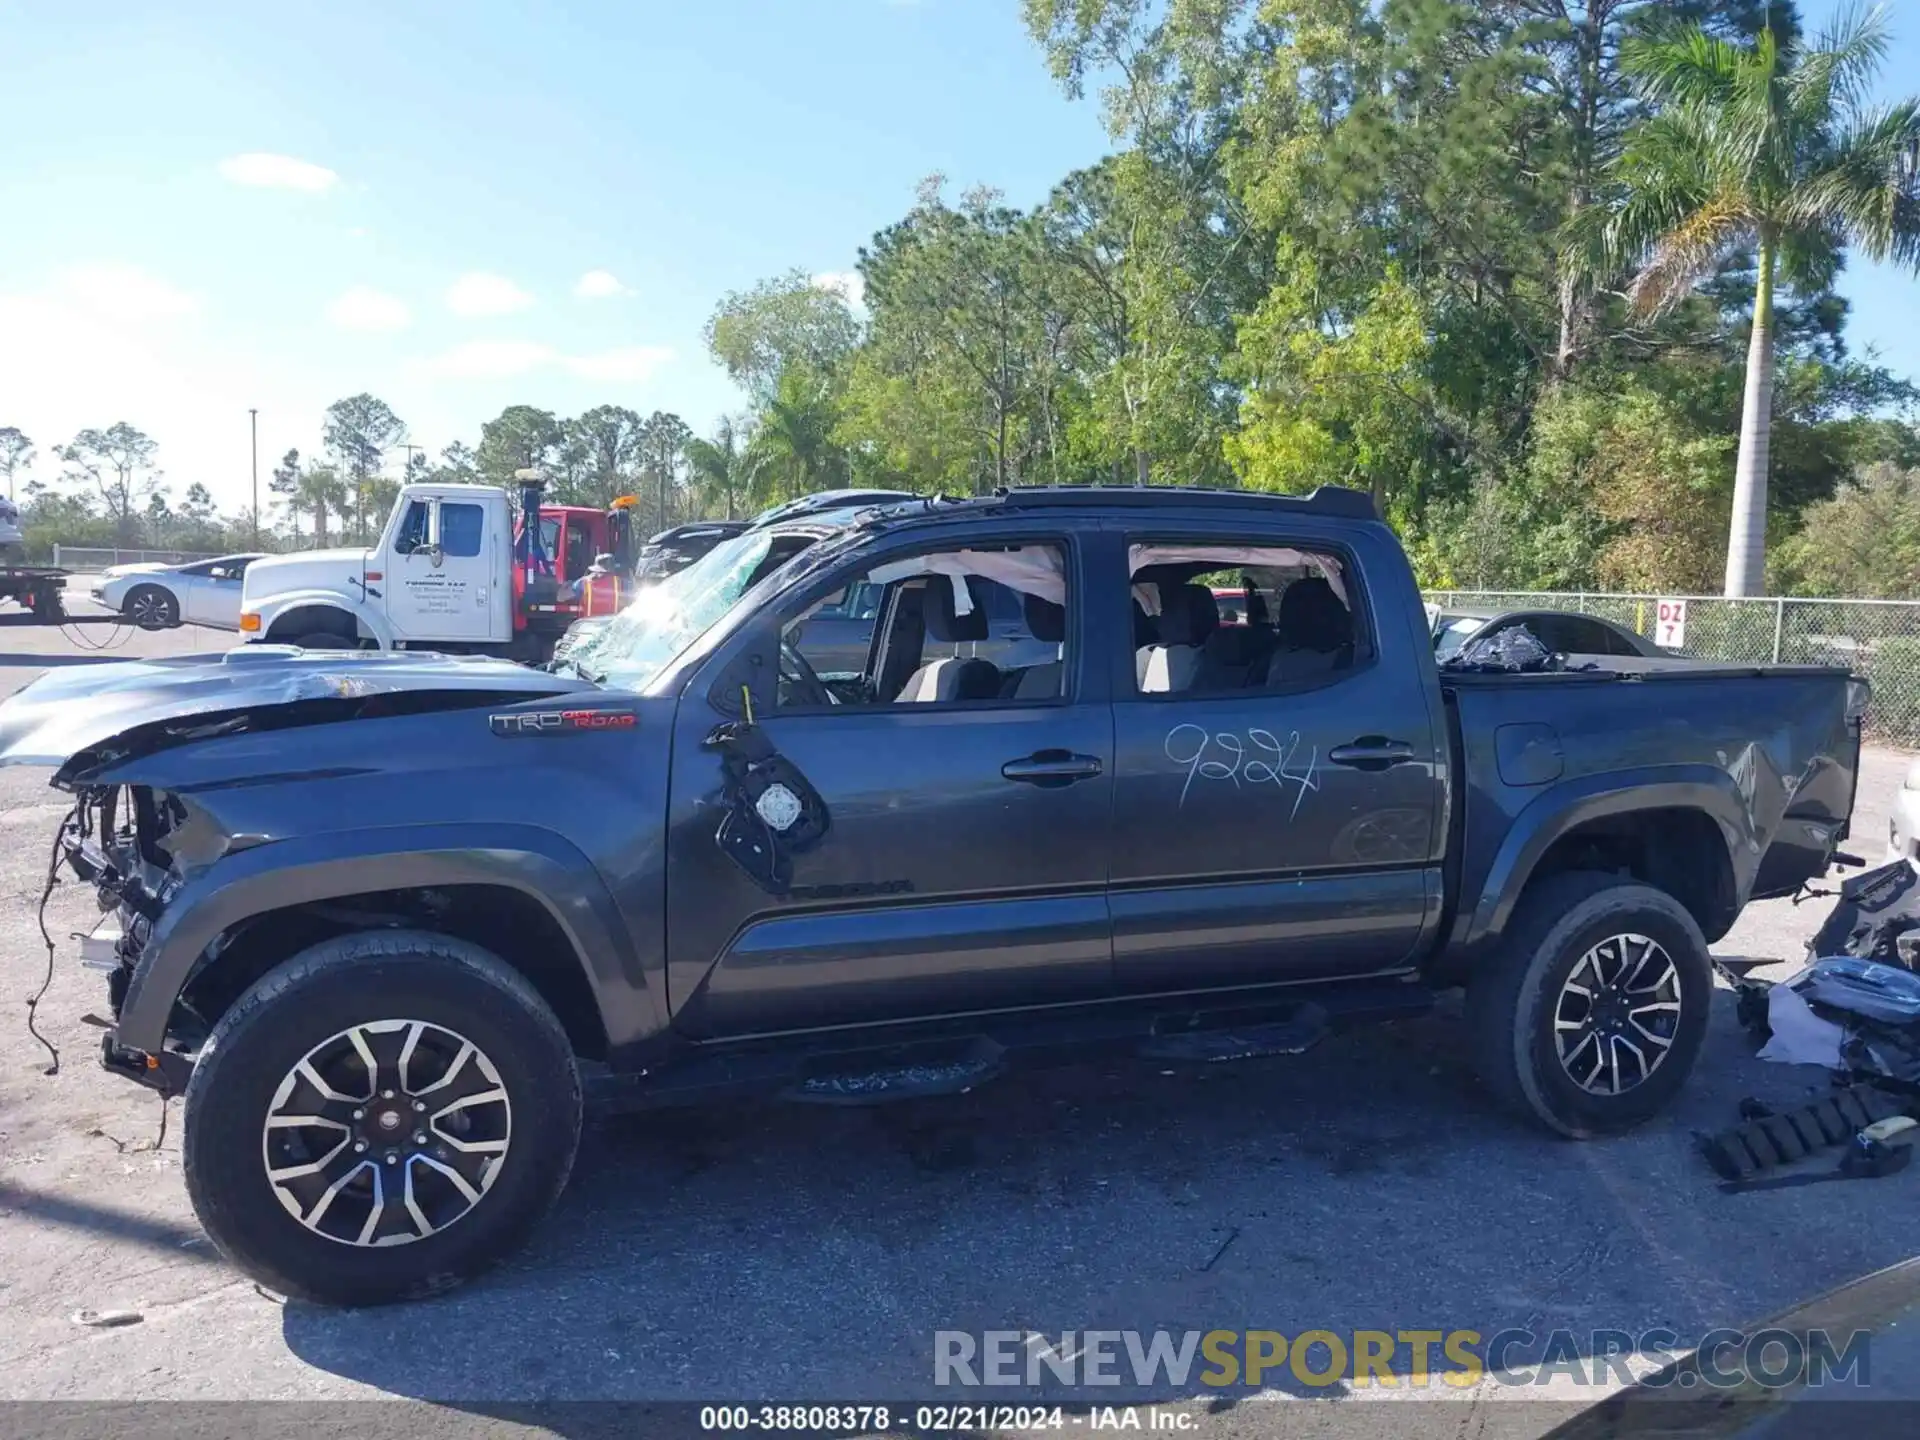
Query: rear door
<point>1278,808</point>
<point>965,861</point>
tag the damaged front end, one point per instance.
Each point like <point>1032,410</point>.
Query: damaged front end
<point>142,830</point>
<point>119,839</point>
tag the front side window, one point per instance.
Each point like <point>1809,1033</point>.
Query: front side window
<point>1294,618</point>
<point>461,526</point>
<point>981,626</point>
<point>412,534</point>
<point>579,549</point>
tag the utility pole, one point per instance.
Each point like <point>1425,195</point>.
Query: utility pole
<point>253,426</point>
<point>406,472</point>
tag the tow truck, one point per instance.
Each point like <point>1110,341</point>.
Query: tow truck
<point>456,569</point>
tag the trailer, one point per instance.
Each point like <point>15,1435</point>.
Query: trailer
<point>41,590</point>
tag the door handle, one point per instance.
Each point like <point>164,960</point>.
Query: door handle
<point>1051,769</point>
<point>1371,752</point>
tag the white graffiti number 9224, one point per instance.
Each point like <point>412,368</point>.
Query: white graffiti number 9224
<point>1257,759</point>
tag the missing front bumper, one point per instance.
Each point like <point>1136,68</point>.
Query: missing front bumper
<point>167,1072</point>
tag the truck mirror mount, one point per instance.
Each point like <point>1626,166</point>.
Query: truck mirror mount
<point>749,681</point>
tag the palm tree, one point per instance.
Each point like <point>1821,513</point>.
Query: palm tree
<point>724,469</point>
<point>318,490</point>
<point>795,438</point>
<point>1767,147</point>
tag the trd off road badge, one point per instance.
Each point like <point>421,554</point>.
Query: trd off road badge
<point>561,722</point>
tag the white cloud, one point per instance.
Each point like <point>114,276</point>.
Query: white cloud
<point>278,172</point>
<point>631,365</point>
<point>599,285</point>
<point>847,284</point>
<point>363,308</point>
<point>124,292</point>
<point>491,359</point>
<point>505,359</point>
<point>478,293</point>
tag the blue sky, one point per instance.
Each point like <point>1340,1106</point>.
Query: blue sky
<point>211,206</point>
<point>461,168</point>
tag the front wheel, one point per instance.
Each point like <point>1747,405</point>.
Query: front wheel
<point>1591,1016</point>
<point>379,1118</point>
<point>151,607</point>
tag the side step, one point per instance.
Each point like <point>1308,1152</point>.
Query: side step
<point>1307,1027</point>
<point>974,1064</point>
<point>949,1060</point>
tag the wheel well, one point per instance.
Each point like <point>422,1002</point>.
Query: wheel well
<point>313,619</point>
<point>1680,851</point>
<point>507,922</point>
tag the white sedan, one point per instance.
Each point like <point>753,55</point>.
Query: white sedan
<point>157,597</point>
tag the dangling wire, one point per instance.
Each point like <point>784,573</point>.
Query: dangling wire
<point>46,983</point>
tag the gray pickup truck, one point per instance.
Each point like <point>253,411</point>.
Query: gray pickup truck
<point>382,959</point>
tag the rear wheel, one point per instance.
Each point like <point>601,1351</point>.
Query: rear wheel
<point>151,607</point>
<point>1592,1015</point>
<point>379,1118</point>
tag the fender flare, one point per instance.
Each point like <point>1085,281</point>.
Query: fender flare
<point>283,873</point>
<point>1562,808</point>
<point>364,615</point>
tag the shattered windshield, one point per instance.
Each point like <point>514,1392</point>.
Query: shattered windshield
<point>666,618</point>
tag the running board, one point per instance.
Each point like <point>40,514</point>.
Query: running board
<point>1300,1032</point>
<point>915,1063</point>
<point>977,1063</point>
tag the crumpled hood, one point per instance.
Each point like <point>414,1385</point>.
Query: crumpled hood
<point>71,710</point>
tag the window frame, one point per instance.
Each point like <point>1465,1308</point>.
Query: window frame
<point>853,571</point>
<point>1366,649</point>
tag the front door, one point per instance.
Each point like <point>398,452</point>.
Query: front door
<point>1280,788</point>
<point>445,556</point>
<point>964,864</point>
<point>214,598</point>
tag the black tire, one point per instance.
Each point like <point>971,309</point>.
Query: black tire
<point>328,990</point>
<point>151,607</point>
<point>1513,1003</point>
<point>325,640</point>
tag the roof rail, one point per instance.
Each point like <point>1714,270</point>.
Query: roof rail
<point>1324,500</point>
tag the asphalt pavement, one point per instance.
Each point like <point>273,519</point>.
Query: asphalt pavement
<point>786,1254</point>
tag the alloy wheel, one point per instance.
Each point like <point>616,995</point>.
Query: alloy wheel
<point>1617,1015</point>
<point>386,1133</point>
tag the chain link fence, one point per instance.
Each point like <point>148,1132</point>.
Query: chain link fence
<point>1879,639</point>
<point>99,557</point>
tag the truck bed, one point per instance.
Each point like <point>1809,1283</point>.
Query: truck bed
<point>1579,745</point>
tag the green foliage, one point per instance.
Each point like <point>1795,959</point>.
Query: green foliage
<point>520,437</point>
<point>757,334</point>
<point>1334,399</point>
<point>1865,541</point>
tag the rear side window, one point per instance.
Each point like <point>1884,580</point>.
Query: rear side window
<point>1217,618</point>
<point>460,526</point>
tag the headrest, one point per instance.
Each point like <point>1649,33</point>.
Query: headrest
<point>1046,620</point>
<point>1188,614</point>
<point>1312,617</point>
<point>938,612</point>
